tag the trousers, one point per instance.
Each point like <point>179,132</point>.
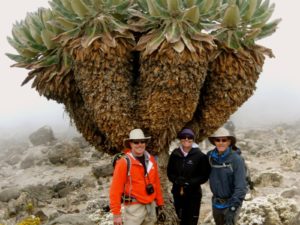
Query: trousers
<point>187,208</point>
<point>219,216</point>
<point>140,214</point>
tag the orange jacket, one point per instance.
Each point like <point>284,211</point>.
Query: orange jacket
<point>135,184</point>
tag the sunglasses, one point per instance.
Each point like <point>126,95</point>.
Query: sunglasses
<point>221,139</point>
<point>186,137</point>
<point>138,142</point>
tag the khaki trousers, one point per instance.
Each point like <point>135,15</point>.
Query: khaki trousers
<point>139,214</point>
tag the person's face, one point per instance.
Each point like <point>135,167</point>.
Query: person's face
<point>186,142</point>
<point>138,147</point>
<point>222,143</point>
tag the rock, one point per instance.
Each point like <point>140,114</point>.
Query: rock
<point>65,191</point>
<point>296,220</point>
<point>290,193</point>
<point>40,214</point>
<point>97,154</point>
<point>103,170</point>
<point>13,160</point>
<point>28,162</point>
<point>42,136</point>
<point>39,192</point>
<point>73,162</point>
<point>61,153</point>
<point>11,208</point>
<point>82,143</point>
<point>268,179</point>
<point>268,210</point>
<point>8,194</point>
<point>63,188</point>
<point>88,181</point>
<point>229,125</point>
<point>72,219</point>
<point>290,161</point>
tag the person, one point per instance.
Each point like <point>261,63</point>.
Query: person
<point>187,169</point>
<point>227,179</point>
<point>139,187</point>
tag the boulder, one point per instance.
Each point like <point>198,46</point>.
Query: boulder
<point>39,192</point>
<point>42,136</point>
<point>269,178</point>
<point>72,219</point>
<point>28,162</point>
<point>268,210</point>
<point>61,153</point>
<point>8,194</point>
<point>103,170</point>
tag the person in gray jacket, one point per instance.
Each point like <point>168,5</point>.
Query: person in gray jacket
<point>227,179</point>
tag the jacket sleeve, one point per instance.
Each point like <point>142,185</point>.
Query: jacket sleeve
<point>117,186</point>
<point>170,169</point>
<point>203,170</point>
<point>159,195</point>
<point>240,185</point>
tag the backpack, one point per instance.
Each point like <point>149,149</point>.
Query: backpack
<point>118,156</point>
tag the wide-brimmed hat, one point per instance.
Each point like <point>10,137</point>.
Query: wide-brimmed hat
<point>222,132</point>
<point>186,132</point>
<point>135,134</point>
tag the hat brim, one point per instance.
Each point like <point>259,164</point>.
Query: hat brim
<point>233,140</point>
<point>127,140</point>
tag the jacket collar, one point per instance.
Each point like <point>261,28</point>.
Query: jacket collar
<point>220,158</point>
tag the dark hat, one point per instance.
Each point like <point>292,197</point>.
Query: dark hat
<point>186,132</point>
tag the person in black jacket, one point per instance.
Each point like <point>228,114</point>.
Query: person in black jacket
<point>187,169</point>
<point>227,179</point>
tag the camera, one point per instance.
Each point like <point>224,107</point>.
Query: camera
<point>149,189</point>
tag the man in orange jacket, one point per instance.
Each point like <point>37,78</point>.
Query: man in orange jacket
<point>138,184</point>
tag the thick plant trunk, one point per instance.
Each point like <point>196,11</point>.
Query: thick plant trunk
<point>169,209</point>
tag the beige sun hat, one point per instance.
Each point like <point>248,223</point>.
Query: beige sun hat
<point>222,132</point>
<point>135,134</point>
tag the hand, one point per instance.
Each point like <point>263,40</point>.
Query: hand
<point>117,220</point>
<point>161,216</point>
<point>230,216</point>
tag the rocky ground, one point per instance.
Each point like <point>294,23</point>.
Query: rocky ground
<point>65,181</point>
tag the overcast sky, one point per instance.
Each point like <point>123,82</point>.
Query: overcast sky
<point>275,100</point>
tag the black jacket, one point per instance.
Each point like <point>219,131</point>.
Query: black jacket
<point>194,169</point>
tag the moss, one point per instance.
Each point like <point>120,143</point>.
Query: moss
<point>31,220</point>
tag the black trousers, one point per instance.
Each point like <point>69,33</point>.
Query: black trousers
<point>187,208</point>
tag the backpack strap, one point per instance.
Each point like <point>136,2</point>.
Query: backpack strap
<point>223,165</point>
<point>118,156</point>
<point>115,158</point>
<point>128,164</point>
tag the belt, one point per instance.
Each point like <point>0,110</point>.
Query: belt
<point>221,200</point>
<point>128,199</point>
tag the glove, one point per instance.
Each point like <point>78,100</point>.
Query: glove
<point>230,216</point>
<point>161,216</point>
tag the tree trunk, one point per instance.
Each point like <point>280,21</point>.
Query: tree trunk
<point>169,209</point>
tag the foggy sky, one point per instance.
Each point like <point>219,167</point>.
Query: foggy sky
<point>275,100</point>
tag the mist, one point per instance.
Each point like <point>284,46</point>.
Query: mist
<point>274,101</point>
